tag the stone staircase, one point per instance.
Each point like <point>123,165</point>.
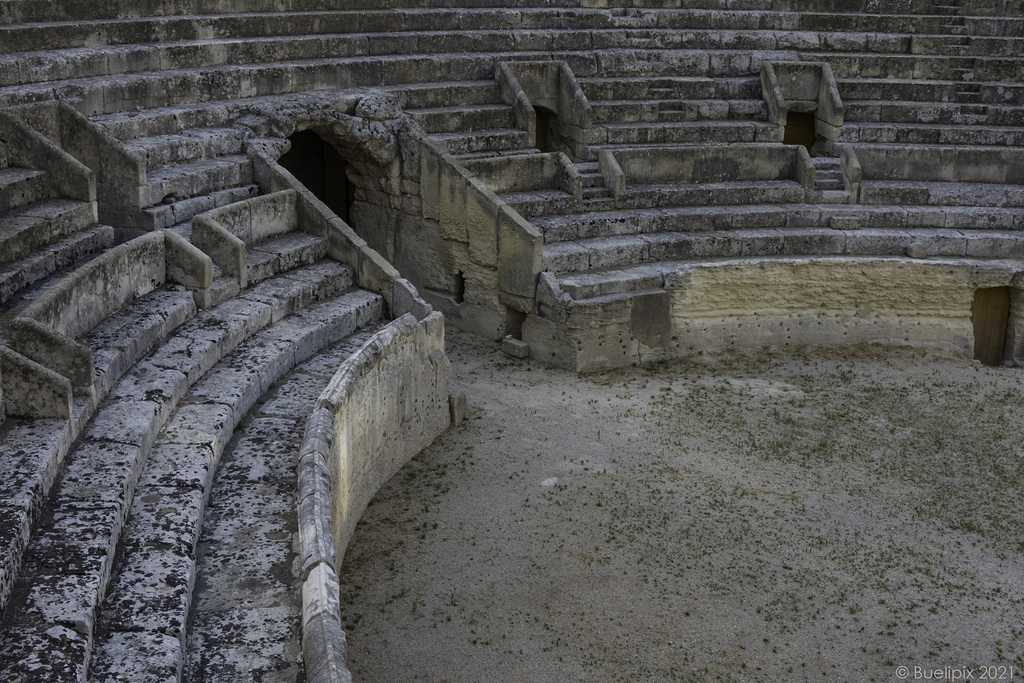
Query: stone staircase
<point>469,119</point>
<point>596,196</point>
<point>41,233</point>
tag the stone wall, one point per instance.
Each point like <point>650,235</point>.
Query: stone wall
<point>747,304</point>
<point>384,405</point>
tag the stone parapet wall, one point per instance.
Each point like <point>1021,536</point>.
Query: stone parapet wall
<point>384,405</point>
<point>710,307</point>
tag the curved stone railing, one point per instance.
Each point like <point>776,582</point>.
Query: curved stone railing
<point>384,405</point>
<point>46,330</point>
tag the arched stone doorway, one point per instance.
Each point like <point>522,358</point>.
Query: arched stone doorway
<point>318,165</point>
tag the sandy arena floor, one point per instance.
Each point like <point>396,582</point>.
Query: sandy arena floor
<point>818,516</point>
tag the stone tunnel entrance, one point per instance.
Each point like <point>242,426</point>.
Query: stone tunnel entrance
<point>990,314</point>
<point>549,138</point>
<point>317,164</point>
<point>799,129</point>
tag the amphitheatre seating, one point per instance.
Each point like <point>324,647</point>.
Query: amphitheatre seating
<point>942,175</point>
<point>612,247</point>
<point>708,175</point>
<point>235,351</point>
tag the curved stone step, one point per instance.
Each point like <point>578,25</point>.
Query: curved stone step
<point>283,253</point>
<point>931,90</point>
<point>538,203</point>
<point>931,134</point>
<point>22,186</point>
<point>128,417</point>
<point>698,219</point>
<point>455,119</point>
<point>610,136</point>
<point>16,276</point>
<point>150,598</point>
<point>190,145</point>
<point>612,265</point>
<point>497,140</point>
<point>29,228</point>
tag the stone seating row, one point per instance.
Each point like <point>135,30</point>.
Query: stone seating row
<point>19,11</point>
<point>101,60</point>
<point>935,67</point>
<point>609,264</point>
<point>146,25</point>
<point>689,219</point>
<point>98,484</point>
<point>51,620</point>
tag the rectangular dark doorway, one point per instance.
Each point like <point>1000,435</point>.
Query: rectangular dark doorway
<point>317,164</point>
<point>547,130</point>
<point>990,313</point>
<point>799,129</point>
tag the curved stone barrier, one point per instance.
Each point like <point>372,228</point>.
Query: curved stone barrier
<point>384,405</point>
<point>47,330</point>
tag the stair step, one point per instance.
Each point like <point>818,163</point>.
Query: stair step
<point>29,228</point>
<point>201,143</point>
<point>283,253</point>
<point>178,212</point>
<point>19,275</point>
<point>430,95</point>
<point>627,134</point>
<point>195,178</point>
<point>540,202</point>
<point>455,119</point>
<point>21,187</point>
<point>503,139</point>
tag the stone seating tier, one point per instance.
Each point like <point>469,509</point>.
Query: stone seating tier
<point>103,60</point>
<point>610,264</point>
<point>104,469</point>
<point>23,28</point>
<point>102,584</point>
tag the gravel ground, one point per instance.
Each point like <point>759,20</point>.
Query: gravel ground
<point>819,516</point>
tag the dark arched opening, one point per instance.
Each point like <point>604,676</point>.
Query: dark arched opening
<point>549,137</point>
<point>799,129</point>
<point>317,164</point>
